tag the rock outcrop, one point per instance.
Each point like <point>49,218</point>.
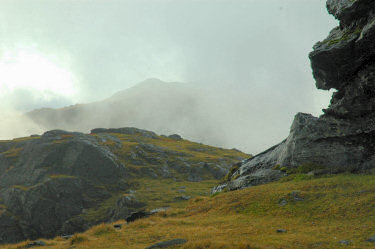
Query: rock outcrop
<point>343,138</point>
<point>46,184</point>
<point>64,182</point>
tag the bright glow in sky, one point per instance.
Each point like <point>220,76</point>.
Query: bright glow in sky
<point>26,68</point>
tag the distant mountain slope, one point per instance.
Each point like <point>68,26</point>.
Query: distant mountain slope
<point>149,101</point>
<point>64,182</point>
<point>209,115</point>
<point>155,105</point>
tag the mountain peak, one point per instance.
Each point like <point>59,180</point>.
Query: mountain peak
<point>152,81</point>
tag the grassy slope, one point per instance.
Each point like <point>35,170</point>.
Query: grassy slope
<point>334,208</point>
<point>160,192</point>
<point>155,192</point>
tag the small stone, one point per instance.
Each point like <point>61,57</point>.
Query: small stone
<point>371,239</point>
<point>281,231</point>
<point>182,198</point>
<point>175,137</point>
<point>344,242</point>
<point>283,202</point>
<point>158,210</point>
<point>168,243</point>
<point>296,196</point>
<point>67,236</point>
<point>117,226</point>
<point>136,215</point>
<point>35,243</point>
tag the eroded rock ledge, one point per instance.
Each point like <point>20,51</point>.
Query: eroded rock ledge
<point>343,139</point>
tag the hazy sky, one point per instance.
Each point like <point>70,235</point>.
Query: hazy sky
<point>60,52</point>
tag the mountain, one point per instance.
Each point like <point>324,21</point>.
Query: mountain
<point>215,115</point>
<point>65,182</point>
<point>154,105</point>
<point>343,139</point>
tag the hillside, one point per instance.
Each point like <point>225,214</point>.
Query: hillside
<point>324,212</point>
<point>65,182</point>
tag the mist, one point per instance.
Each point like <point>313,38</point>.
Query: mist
<point>247,62</point>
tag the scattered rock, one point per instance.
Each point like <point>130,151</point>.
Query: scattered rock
<point>281,231</point>
<point>136,215</point>
<point>344,242</point>
<point>182,198</point>
<point>158,210</point>
<point>371,239</point>
<point>168,243</point>
<point>117,226</point>
<point>35,243</point>
<point>67,236</point>
<point>296,196</point>
<point>283,202</point>
<point>175,137</point>
<point>195,174</point>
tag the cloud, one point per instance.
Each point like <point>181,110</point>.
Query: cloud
<point>257,50</point>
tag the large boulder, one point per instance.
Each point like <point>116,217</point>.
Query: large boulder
<point>46,184</point>
<point>343,139</point>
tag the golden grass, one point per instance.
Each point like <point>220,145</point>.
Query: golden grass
<point>198,152</point>
<point>13,152</point>
<point>21,187</point>
<point>334,208</point>
<point>57,176</point>
<point>21,139</point>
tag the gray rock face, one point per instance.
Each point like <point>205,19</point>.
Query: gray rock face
<point>347,10</point>
<point>343,139</point>
<point>349,47</point>
<point>47,184</point>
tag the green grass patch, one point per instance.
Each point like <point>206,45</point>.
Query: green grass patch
<point>103,229</point>
<point>161,192</point>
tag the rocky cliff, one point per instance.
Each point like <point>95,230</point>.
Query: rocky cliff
<point>64,182</point>
<point>343,139</point>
